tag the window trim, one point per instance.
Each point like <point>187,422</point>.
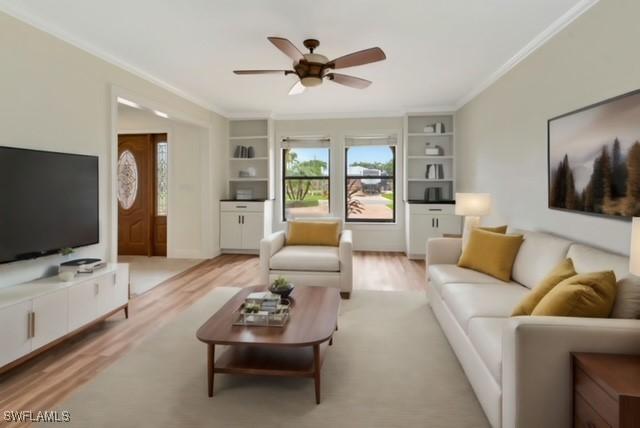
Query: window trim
<point>303,177</point>
<point>347,177</point>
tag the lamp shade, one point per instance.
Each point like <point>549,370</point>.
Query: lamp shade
<point>473,204</point>
<point>634,251</point>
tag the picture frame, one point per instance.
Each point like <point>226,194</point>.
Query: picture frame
<point>593,159</point>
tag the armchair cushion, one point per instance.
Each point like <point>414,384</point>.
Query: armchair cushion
<point>314,233</point>
<point>306,258</point>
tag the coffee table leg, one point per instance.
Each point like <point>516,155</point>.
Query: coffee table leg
<point>210,361</point>
<point>316,364</point>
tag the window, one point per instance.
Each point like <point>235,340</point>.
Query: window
<point>305,184</point>
<point>162,178</point>
<point>370,183</point>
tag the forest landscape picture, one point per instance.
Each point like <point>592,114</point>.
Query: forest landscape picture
<point>594,158</point>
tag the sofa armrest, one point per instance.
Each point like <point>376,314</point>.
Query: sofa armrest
<point>443,251</point>
<point>537,378</point>
<point>345,253</point>
<point>268,247</point>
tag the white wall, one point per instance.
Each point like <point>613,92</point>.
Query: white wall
<point>373,237</point>
<point>57,97</point>
<point>502,134</point>
<point>190,210</point>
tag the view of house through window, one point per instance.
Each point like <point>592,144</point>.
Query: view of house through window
<point>306,182</point>
<point>370,183</point>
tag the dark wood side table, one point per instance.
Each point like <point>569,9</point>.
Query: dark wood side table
<point>606,390</point>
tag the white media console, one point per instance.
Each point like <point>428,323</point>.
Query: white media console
<point>36,315</point>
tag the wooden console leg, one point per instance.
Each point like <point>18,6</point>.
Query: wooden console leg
<point>316,364</point>
<point>211,350</point>
<point>345,295</point>
<point>126,312</point>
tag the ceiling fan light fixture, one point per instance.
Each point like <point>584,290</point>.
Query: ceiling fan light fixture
<point>311,81</point>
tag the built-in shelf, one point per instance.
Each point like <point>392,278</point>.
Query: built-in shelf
<point>429,134</point>
<point>251,137</point>
<point>248,179</point>
<point>433,180</point>
<point>429,157</point>
<point>249,159</point>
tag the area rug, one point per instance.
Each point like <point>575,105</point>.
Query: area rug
<point>390,366</point>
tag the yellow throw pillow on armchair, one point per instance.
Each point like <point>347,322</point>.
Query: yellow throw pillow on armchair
<point>491,253</point>
<point>584,295</point>
<point>325,233</point>
<point>561,272</point>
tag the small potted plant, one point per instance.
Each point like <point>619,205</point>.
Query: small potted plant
<point>281,286</point>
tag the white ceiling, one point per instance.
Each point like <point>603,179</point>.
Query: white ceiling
<point>439,52</point>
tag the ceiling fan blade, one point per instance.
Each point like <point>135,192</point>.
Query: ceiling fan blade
<point>366,56</point>
<point>343,79</point>
<point>288,48</point>
<point>285,72</point>
<point>296,89</point>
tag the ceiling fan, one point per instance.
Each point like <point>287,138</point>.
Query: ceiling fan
<point>311,68</point>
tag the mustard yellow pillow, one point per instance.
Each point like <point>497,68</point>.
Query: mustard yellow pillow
<point>314,233</point>
<point>495,229</point>
<point>584,295</point>
<point>561,272</point>
<point>491,253</point>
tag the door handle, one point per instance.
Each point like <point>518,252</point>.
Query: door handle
<point>242,219</point>
<point>31,325</point>
<point>433,223</point>
<point>239,220</point>
<point>241,206</point>
<point>435,209</point>
<point>438,222</point>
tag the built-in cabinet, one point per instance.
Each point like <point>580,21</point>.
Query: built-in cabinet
<point>430,176</point>
<point>243,225</point>
<point>245,216</point>
<point>425,221</point>
<point>36,314</point>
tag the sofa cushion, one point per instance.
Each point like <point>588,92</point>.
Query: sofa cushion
<point>306,258</point>
<point>467,301</point>
<point>486,336</point>
<point>539,254</point>
<point>445,274</point>
<point>589,259</point>
<point>491,253</point>
<point>589,295</point>
<point>561,272</point>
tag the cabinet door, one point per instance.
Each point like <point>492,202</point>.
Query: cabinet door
<point>14,332</point>
<point>448,224</point>
<point>51,319</point>
<point>84,303</point>
<point>230,230</point>
<point>422,228</point>
<point>252,230</point>
<point>107,295</point>
<point>122,285</point>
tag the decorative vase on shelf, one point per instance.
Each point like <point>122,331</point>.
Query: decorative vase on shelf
<point>251,153</point>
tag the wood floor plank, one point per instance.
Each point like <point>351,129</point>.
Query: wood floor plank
<point>48,379</point>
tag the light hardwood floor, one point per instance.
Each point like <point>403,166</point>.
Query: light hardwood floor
<point>47,379</point>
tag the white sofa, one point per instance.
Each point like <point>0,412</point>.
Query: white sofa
<point>520,367</point>
<point>309,265</point>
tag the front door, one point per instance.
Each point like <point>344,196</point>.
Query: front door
<point>141,158</point>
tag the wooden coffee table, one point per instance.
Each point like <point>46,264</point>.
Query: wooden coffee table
<point>295,350</point>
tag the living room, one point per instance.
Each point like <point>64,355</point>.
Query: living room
<point>298,214</point>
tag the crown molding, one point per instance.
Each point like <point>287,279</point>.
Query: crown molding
<point>93,50</point>
<point>336,115</point>
<point>558,25</point>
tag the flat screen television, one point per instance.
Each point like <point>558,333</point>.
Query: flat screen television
<point>48,201</point>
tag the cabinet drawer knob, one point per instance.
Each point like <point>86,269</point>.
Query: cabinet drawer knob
<point>435,209</point>
<point>241,206</point>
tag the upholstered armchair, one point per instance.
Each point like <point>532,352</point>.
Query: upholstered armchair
<point>308,265</point>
